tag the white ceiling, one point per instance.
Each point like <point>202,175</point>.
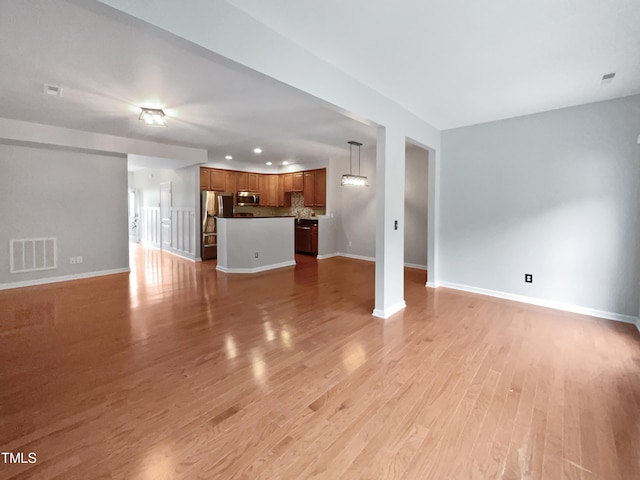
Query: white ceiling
<point>109,66</point>
<point>452,63</point>
<point>462,62</point>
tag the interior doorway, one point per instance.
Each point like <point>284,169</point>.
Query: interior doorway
<point>416,207</point>
<point>134,216</point>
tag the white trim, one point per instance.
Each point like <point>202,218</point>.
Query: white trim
<point>432,284</point>
<point>387,312</point>
<point>357,257</point>
<point>638,324</point>
<point>544,303</point>
<point>264,268</point>
<point>328,255</point>
<point>416,265</point>
<point>63,278</point>
<point>179,253</point>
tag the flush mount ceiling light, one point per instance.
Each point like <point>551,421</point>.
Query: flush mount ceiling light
<point>154,117</point>
<point>257,150</point>
<point>285,163</point>
<point>351,179</point>
<point>228,157</point>
<point>269,163</point>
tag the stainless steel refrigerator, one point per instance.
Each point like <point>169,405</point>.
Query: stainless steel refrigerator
<point>214,204</point>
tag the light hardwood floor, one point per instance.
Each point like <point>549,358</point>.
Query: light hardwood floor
<point>181,372</point>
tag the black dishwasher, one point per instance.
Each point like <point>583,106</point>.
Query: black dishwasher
<point>306,237</point>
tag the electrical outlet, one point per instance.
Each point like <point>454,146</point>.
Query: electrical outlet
<point>255,255</point>
<point>72,260</point>
<point>528,278</point>
<point>79,259</point>
<point>395,224</point>
<point>351,244</point>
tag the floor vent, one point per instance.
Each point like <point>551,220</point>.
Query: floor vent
<point>33,254</point>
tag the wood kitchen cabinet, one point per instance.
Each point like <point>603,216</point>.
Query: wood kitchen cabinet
<point>287,182</point>
<point>242,179</point>
<point>315,188</point>
<point>204,178</point>
<point>216,179</point>
<point>298,182</point>
<point>280,191</point>
<point>320,187</point>
<point>212,179</point>
<point>309,190</point>
<point>248,182</point>
<point>252,182</point>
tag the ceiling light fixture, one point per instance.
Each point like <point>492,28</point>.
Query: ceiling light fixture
<point>351,179</point>
<point>228,157</point>
<point>154,117</point>
<point>285,163</point>
<point>257,150</point>
<point>269,163</point>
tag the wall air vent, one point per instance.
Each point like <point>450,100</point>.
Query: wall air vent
<point>52,90</point>
<point>33,254</point>
<point>608,76</point>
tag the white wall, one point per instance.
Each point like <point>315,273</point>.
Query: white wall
<point>357,206</point>
<point>415,206</point>
<point>79,198</point>
<point>239,239</point>
<point>553,194</point>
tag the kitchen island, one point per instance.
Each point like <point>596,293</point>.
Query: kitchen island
<point>255,244</point>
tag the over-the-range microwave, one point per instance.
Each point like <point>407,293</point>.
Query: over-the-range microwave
<point>247,199</point>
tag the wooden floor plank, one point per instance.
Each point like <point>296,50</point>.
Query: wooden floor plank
<point>179,371</point>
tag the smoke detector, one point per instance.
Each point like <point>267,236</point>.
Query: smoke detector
<point>53,90</point>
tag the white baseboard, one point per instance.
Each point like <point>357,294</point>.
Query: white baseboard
<point>256,269</point>
<point>432,284</point>
<point>357,257</point>
<point>638,324</point>
<point>327,255</point>
<point>181,254</point>
<point>416,265</point>
<point>387,312</point>
<point>62,278</point>
<point>545,303</point>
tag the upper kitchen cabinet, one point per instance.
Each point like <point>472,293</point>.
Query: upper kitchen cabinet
<point>320,187</point>
<point>287,182</point>
<point>204,178</point>
<point>268,190</point>
<point>315,188</point>
<point>247,182</point>
<point>298,182</point>
<point>309,189</point>
<point>253,182</point>
<point>230,182</point>
<point>216,179</point>
<point>212,179</point>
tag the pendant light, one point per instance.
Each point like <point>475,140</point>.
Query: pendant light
<point>351,179</point>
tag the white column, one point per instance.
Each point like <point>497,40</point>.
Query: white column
<point>390,161</point>
<point>433,243</point>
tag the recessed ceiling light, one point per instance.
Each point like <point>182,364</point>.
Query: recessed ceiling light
<point>228,157</point>
<point>285,163</point>
<point>608,76</point>
<point>154,117</point>
<point>269,163</point>
<point>257,150</point>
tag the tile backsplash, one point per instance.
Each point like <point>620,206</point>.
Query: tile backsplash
<point>297,209</point>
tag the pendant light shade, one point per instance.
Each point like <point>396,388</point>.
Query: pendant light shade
<point>350,179</point>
